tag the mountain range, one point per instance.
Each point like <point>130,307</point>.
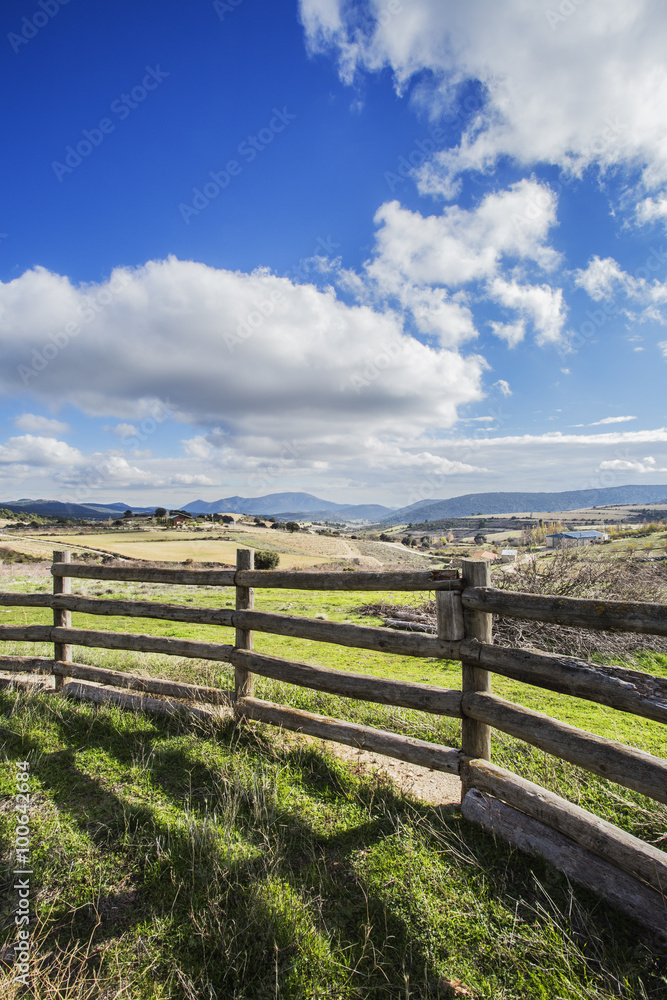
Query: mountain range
<point>294,506</point>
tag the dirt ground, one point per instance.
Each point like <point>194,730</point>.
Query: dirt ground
<point>435,787</point>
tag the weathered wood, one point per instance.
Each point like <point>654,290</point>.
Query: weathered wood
<point>475,735</point>
<point>626,766</point>
<point>170,689</point>
<point>436,579</point>
<point>244,683</point>
<point>406,748</point>
<point>449,615</point>
<point>26,633</point>
<point>125,640</point>
<point>581,866</point>
<point>410,626</point>
<point>361,636</point>
<point>634,856</point>
<point>144,609</point>
<point>14,600</point>
<point>613,616</point>
<point>144,574</point>
<point>136,702</point>
<point>27,664</point>
<point>406,694</point>
<point>618,687</point>
<point>62,616</point>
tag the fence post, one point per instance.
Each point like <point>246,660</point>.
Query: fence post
<point>475,736</point>
<point>62,617</point>
<point>244,680</point>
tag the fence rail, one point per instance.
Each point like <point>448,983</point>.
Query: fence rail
<point>628,872</point>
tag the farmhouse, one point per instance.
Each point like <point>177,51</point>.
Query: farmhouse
<point>508,556</point>
<point>178,517</point>
<point>567,539</point>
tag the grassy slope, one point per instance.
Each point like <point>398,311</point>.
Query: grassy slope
<point>238,863</point>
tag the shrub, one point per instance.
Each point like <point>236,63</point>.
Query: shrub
<point>266,560</point>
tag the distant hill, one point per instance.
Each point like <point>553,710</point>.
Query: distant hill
<point>74,511</point>
<point>516,503</point>
<point>289,506</point>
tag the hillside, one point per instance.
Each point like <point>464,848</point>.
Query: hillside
<point>288,505</point>
<point>517,503</point>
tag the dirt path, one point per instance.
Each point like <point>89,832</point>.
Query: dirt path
<point>435,787</point>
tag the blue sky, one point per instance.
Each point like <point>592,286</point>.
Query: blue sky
<point>380,251</point>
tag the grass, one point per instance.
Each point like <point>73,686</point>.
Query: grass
<point>178,860</point>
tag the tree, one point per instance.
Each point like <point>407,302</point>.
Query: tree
<point>406,540</point>
<point>480,539</point>
<point>426,541</point>
<point>160,512</point>
<point>266,560</point>
<point>292,526</point>
<point>128,513</point>
<point>384,537</point>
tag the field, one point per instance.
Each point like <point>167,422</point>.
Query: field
<point>194,860</point>
<point>212,544</point>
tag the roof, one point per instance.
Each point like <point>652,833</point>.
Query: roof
<point>508,552</point>
<point>577,534</point>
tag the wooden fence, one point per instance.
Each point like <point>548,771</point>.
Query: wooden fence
<point>626,871</point>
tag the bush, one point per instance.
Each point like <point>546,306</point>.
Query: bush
<point>266,560</point>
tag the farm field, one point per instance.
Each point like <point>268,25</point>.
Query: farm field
<point>297,550</point>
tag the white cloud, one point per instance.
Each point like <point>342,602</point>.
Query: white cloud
<point>542,304</point>
<point>503,387</point>
<point>652,210</point>
<point>611,420</point>
<point>662,345</point>
<point>433,265</point>
<point>32,450</point>
<point>587,88</point>
<point>124,431</point>
<point>35,424</point>
<point>264,358</point>
<point>648,464</point>
<point>197,447</point>
<point>183,479</point>
<point>603,279</point>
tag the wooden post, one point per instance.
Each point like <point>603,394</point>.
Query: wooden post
<point>244,680</point>
<point>62,617</point>
<point>449,612</point>
<point>475,736</point>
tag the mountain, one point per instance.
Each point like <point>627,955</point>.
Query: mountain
<point>516,503</point>
<point>294,504</point>
<point>74,511</point>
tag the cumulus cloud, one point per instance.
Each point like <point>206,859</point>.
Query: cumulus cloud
<point>38,451</point>
<point>433,266</point>
<point>35,424</point>
<point>583,88</point>
<point>263,358</point>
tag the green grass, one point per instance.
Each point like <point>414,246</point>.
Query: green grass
<point>178,860</point>
<point>192,861</point>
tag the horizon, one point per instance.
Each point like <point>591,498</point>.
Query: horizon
<point>410,256</point>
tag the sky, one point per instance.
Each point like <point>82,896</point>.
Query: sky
<point>380,250</point>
